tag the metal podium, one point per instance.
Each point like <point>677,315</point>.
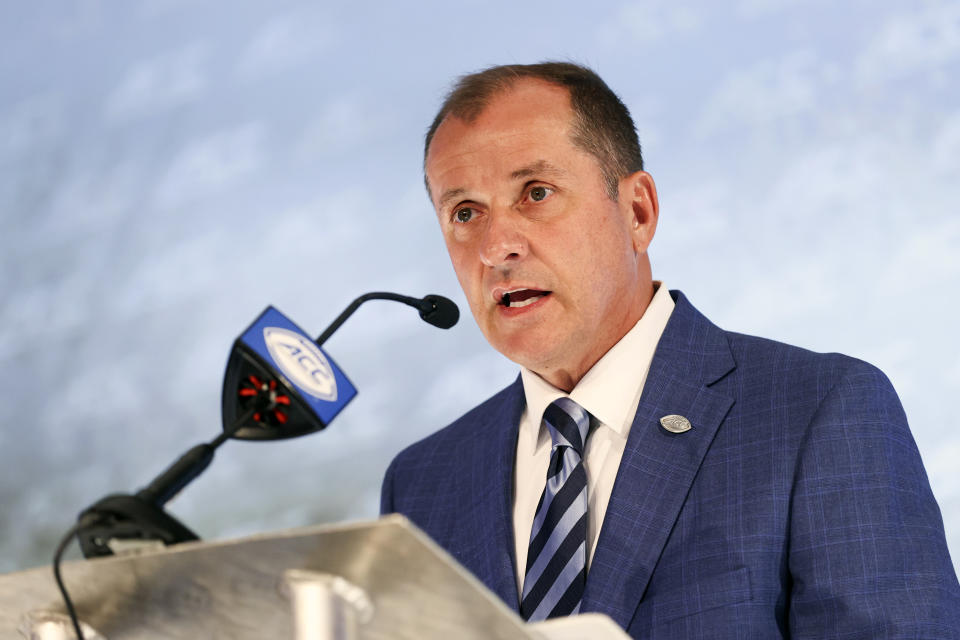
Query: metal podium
<point>364,581</point>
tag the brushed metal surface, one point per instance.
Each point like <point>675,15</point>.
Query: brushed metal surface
<point>234,589</point>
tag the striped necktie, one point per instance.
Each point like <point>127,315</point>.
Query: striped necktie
<point>557,559</point>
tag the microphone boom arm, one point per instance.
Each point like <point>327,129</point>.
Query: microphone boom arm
<point>430,307</point>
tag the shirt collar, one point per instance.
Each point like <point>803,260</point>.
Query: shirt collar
<point>613,385</point>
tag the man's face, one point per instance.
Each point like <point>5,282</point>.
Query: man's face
<point>554,270</point>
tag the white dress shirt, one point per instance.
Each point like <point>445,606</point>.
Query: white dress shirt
<point>610,391</point>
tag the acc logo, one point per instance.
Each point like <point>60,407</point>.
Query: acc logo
<point>301,361</point>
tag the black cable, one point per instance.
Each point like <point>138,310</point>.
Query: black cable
<point>63,589</point>
<point>84,521</point>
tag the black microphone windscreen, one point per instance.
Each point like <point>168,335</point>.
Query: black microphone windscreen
<point>439,311</point>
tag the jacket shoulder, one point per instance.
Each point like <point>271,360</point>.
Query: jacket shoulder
<point>433,464</point>
<point>770,360</point>
<point>465,428</point>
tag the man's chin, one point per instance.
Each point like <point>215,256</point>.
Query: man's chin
<point>526,350</point>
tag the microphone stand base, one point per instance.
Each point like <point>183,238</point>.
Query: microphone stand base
<point>121,521</point>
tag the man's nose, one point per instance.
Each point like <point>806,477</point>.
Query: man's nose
<point>503,241</point>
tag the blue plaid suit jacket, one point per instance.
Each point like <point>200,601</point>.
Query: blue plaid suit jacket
<point>797,506</point>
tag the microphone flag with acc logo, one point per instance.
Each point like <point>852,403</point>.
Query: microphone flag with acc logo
<point>277,368</point>
<point>302,362</point>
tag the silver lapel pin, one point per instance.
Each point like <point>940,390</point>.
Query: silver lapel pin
<point>675,424</point>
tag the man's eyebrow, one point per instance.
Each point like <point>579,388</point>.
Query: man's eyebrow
<point>540,167</point>
<point>449,195</point>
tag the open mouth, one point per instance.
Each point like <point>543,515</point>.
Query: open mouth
<point>522,297</point>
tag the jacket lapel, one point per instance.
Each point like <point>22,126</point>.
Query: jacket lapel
<point>486,485</point>
<point>659,467</point>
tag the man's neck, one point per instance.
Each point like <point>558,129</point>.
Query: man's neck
<point>566,377</point>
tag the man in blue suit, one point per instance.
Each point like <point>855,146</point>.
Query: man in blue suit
<point>731,486</point>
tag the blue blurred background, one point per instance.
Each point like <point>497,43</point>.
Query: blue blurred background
<point>170,167</point>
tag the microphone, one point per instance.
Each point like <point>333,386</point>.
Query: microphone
<point>439,311</point>
<point>278,384</point>
<point>289,382</point>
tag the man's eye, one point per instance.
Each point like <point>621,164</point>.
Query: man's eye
<point>463,214</point>
<point>539,193</point>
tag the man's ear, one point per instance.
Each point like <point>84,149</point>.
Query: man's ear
<point>638,197</point>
